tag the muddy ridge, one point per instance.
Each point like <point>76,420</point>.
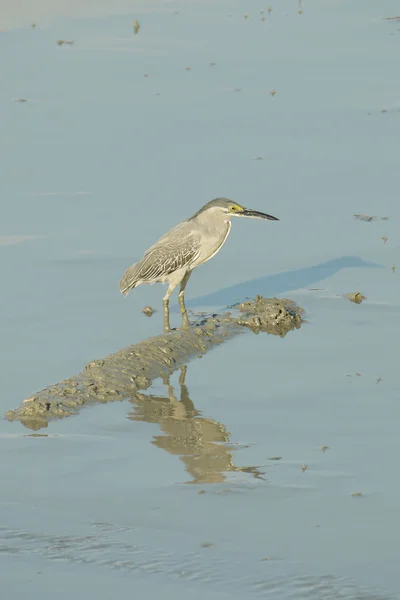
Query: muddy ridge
<point>123,374</point>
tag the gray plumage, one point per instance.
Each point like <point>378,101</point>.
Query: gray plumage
<point>175,250</point>
<point>186,246</point>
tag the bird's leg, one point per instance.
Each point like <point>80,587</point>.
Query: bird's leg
<point>182,376</point>
<point>166,308</point>
<point>181,298</point>
<point>185,399</point>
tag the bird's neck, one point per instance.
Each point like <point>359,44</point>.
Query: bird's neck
<point>218,223</point>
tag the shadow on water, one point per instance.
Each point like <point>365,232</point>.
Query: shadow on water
<point>273,285</point>
<point>201,443</point>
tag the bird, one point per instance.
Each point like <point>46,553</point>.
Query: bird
<point>186,246</point>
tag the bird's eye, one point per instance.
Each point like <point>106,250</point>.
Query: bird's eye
<point>233,208</point>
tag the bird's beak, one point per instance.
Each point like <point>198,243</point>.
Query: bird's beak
<point>256,215</point>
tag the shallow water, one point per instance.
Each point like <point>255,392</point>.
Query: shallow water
<point>96,165</point>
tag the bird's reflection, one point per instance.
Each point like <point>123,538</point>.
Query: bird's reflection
<point>202,444</point>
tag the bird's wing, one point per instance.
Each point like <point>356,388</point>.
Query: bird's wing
<point>169,255</point>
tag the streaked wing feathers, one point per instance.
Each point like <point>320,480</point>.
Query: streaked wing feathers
<point>168,256</point>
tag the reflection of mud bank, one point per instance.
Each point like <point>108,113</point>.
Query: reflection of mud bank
<point>123,374</point>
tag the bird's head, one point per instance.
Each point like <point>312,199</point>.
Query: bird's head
<point>229,208</point>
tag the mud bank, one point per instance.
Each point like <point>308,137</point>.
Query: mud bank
<point>123,374</point>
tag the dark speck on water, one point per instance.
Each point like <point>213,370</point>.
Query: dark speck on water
<point>65,42</point>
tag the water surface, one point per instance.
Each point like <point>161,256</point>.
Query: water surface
<point>119,140</point>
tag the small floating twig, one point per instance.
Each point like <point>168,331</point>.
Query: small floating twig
<point>367,218</point>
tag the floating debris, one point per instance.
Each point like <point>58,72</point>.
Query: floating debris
<point>378,379</point>
<point>229,89</point>
<point>145,75</point>
<point>273,92</point>
<point>384,238</point>
<point>259,158</point>
<point>253,470</point>
<point>358,374</point>
<point>304,468</point>
<point>212,64</point>
<point>188,68</point>
<point>356,297</point>
<point>21,100</point>
<point>262,19</point>
<point>269,10</point>
<point>148,311</point>
<point>246,16</point>
<point>300,11</point>
<point>262,12</point>
<point>67,42</point>
<point>275,458</point>
<point>33,25</point>
<point>207,545</point>
<point>356,494</point>
<point>391,19</point>
<point>316,289</point>
<point>394,268</point>
<point>136,26</point>
<point>202,492</point>
<point>324,448</point>
<point>367,218</point>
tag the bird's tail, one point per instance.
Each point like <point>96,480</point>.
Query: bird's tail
<point>129,280</point>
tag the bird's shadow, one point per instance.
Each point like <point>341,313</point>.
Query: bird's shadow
<point>279,283</point>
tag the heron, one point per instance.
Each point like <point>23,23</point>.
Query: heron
<point>186,246</point>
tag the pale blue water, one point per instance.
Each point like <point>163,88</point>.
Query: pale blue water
<point>96,165</point>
